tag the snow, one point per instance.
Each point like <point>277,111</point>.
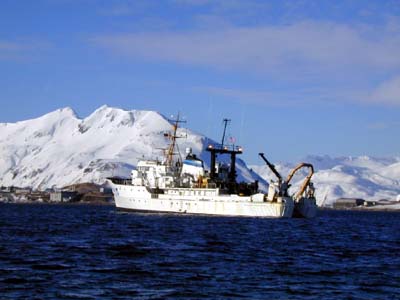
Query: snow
<point>350,177</point>
<point>60,149</point>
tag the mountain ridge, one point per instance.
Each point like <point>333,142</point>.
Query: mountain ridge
<point>365,177</point>
<point>59,149</point>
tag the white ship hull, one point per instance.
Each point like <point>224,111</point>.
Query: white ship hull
<point>199,201</point>
<point>184,186</point>
<point>305,208</point>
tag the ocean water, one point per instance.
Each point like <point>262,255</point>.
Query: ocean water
<point>96,252</point>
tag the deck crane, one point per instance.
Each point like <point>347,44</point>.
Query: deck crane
<point>272,167</point>
<point>284,185</point>
<point>306,183</point>
<point>304,200</point>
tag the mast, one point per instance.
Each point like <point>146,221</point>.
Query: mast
<point>173,136</point>
<point>223,135</point>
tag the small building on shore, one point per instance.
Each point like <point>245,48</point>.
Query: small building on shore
<point>386,202</point>
<point>343,203</point>
<point>7,189</point>
<point>22,191</point>
<point>63,196</point>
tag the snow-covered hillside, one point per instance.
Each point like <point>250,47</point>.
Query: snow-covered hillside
<point>59,148</point>
<point>360,177</point>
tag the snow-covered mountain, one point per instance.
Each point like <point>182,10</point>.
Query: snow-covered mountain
<point>59,148</point>
<point>359,177</point>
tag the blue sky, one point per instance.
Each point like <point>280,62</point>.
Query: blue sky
<point>295,77</point>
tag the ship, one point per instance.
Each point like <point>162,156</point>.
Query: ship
<point>175,185</point>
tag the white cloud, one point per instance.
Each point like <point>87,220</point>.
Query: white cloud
<point>334,63</point>
<point>275,98</point>
<point>120,10</point>
<point>125,8</point>
<point>21,48</point>
<point>300,47</point>
<point>10,50</point>
<point>193,2</point>
<point>383,125</point>
<point>9,46</point>
<point>387,92</point>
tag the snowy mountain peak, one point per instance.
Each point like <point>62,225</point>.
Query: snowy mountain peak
<point>105,109</point>
<point>112,119</point>
<point>68,111</point>
<point>59,149</point>
<point>65,112</point>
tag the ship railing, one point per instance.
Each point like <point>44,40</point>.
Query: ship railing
<point>226,147</point>
<point>119,180</point>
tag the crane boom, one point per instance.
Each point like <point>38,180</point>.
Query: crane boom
<point>306,181</point>
<point>271,166</point>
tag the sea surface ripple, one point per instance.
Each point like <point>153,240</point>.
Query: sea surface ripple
<point>96,252</point>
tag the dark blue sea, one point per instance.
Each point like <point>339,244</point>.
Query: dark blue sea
<point>96,252</point>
